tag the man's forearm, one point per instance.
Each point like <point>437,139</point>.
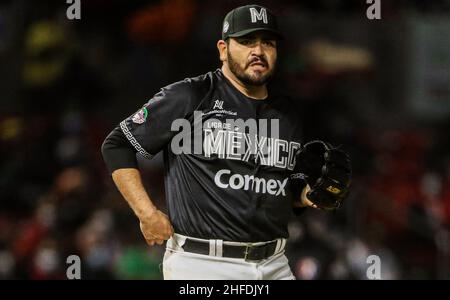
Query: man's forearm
<point>120,158</point>
<point>129,183</point>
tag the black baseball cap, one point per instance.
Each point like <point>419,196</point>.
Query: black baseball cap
<point>249,18</point>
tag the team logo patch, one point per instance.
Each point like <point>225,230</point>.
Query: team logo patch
<point>218,104</point>
<point>140,116</point>
<point>226,25</point>
<point>298,176</point>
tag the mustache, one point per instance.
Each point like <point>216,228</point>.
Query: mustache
<point>260,59</point>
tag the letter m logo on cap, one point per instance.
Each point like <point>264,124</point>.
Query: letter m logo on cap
<point>258,16</point>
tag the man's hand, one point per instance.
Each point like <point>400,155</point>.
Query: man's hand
<point>156,228</point>
<point>155,225</point>
<point>304,201</point>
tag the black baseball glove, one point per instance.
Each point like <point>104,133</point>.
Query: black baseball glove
<point>327,170</point>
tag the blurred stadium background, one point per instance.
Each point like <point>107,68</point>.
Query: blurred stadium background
<point>381,88</point>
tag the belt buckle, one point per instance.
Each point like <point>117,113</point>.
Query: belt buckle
<point>248,252</point>
<point>247,248</point>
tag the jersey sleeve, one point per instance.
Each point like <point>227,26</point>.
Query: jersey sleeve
<point>149,129</point>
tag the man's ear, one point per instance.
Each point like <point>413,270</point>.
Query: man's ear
<point>222,47</point>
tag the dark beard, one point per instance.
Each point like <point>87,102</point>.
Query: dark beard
<point>244,78</point>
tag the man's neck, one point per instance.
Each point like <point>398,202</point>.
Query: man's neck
<point>254,92</point>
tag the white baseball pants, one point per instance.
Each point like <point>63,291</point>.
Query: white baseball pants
<point>181,265</point>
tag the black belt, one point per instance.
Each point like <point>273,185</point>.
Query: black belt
<point>250,252</point>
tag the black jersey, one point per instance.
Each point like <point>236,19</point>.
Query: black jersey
<point>222,180</point>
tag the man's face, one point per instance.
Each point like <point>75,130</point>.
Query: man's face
<point>252,58</point>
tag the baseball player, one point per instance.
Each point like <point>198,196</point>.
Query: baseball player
<point>235,163</point>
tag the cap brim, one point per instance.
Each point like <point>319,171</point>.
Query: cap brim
<point>276,33</point>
